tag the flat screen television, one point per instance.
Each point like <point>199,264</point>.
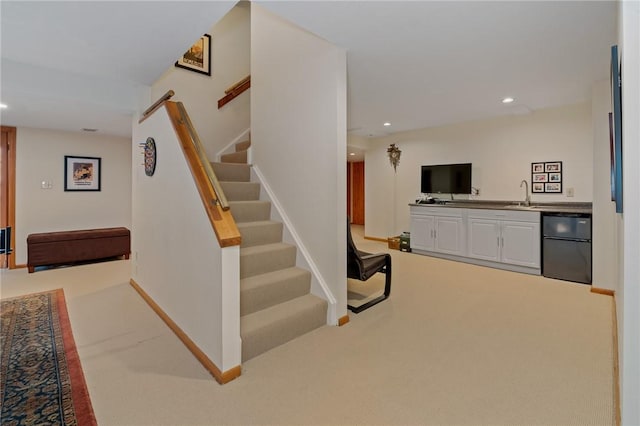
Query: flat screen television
<point>446,179</point>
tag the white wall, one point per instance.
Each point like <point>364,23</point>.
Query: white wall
<point>176,258</point>
<point>40,157</point>
<point>230,63</point>
<point>501,151</point>
<point>605,250</point>
<point>628,300</point>
<point>298,127</point>
<point>357,141</point>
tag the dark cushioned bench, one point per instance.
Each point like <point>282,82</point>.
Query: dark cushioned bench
<point>55,248</point>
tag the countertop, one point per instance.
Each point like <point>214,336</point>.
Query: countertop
<point>513,205</point>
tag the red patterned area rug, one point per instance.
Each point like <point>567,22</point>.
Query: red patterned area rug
<point>41,379</point>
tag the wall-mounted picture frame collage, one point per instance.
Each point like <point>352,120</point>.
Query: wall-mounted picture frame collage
<point>546,177</point>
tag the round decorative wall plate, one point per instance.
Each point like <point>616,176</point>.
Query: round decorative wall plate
<point>149,157</point>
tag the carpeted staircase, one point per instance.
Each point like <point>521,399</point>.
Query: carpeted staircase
<point>275,300</point>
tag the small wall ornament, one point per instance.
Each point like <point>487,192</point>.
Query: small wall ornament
<point>150,157</point>
<point>394,155</point>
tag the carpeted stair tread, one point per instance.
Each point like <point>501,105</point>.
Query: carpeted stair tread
<point>275,301</point>
<point>260,232</point>
<point>243,146</point>
<point>234,157</point>
<point>269,289</point>
<point>250,211</point>
<point>232,172</point>
<point>241,191</point>
<point>265,258</point>
<point>271,327</point>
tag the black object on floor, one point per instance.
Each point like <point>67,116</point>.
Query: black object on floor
<point>362,266</point>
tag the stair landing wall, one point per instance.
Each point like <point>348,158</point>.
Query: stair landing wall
<point>300,145</point>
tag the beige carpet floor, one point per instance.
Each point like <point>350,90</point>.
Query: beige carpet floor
<point>456,344</point>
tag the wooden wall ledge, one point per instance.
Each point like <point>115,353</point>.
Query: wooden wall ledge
<point>234,91</point>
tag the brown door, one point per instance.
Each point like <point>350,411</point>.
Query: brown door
<point>357,192</point>
<point>349,189</point>
<point>7,188</point>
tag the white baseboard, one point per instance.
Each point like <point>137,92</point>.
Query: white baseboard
<point>319,285</point>
<point>230,147</point>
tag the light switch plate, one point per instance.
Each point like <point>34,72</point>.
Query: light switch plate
<point>569,192</point>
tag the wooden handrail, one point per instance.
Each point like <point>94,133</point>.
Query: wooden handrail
<point>208,186</point>
<point>197,144</point>
<point>235,90</point>
<point>245,80</point>
<point>157,104</point>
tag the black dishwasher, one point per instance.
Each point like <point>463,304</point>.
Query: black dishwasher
<point>566,246</point>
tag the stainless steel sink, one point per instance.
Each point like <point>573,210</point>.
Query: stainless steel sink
<point>536,207</point>
<point>518,207</point>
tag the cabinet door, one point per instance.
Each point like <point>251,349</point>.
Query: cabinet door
<point>449,235</point>
<point>484,239</point>
<point>521,243</point>
<point>422,232</point>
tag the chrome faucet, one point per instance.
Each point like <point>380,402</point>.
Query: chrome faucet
<point>527,199</point>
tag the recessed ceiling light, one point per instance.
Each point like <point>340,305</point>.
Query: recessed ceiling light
<point>3,106</point>
<point>387,124</point>
<point>352,153</point>
<point>507,100</point>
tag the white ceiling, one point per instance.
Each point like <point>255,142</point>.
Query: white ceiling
<point>69,65</point>
<point>426,63</point>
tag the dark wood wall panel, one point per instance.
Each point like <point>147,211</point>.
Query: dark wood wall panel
<point>349,189</point>
<point>358,192</point>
